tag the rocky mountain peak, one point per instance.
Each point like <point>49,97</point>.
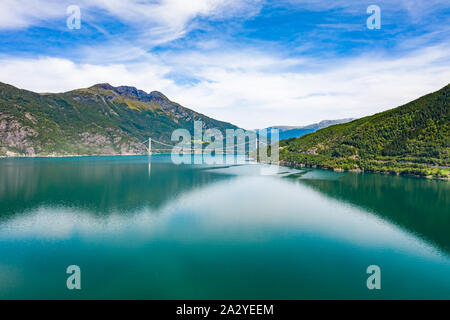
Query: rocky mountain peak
<point>105,86</point>
<point>157,95</point>
<point>133,92</point>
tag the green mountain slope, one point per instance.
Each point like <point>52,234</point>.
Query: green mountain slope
<point>411,139</point>
<point>98,120</point>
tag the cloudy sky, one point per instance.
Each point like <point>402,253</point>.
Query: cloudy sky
<point>254,63</point>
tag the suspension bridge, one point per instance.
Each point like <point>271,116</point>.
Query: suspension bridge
<point>167,148</point>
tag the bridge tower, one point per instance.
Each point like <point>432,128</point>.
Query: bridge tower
<point>149,146</point>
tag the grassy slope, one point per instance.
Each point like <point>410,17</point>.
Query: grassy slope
<point>87,121</point>
<point>411,139</point>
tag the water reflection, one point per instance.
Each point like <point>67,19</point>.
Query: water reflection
<point>421,206</point>
<point>68,189</point>
<point>97,186</point>
<point>220,232</point>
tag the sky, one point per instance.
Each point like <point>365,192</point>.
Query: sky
<point>254,63</point>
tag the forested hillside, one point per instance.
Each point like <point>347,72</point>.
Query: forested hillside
<point>411,139</point>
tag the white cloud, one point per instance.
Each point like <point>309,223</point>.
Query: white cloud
<point>48,74</point>
<point>171,13</point>
<point>253,88</point>
<point>24,13</point>
<point>413,7</point>
<point>342,88</point>
<point>158,21</point>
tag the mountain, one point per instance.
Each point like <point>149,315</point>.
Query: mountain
<point>411,139</point>
<point>101,119</point>
<point>287,132</point>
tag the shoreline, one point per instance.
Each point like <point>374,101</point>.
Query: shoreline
<point>77,155</point>
<point>295,165</point>
<point>85,155</point>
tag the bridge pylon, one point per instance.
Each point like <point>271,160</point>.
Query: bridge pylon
<point>149,146</point>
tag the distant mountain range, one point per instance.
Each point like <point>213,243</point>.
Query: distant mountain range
<point>287,132</point>
<point>101,119</point>
<point>412,139</point>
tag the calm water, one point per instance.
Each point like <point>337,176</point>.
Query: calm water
<point>162,231</point>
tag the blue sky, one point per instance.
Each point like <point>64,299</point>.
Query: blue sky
<point>254,63</point>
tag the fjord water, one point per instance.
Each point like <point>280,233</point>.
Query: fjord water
<point>141,230</point>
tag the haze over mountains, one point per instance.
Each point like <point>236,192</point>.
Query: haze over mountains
<point>101,119</point>
<point>287,132</point>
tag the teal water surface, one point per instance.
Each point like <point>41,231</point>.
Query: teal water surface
<point>141,230</point>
